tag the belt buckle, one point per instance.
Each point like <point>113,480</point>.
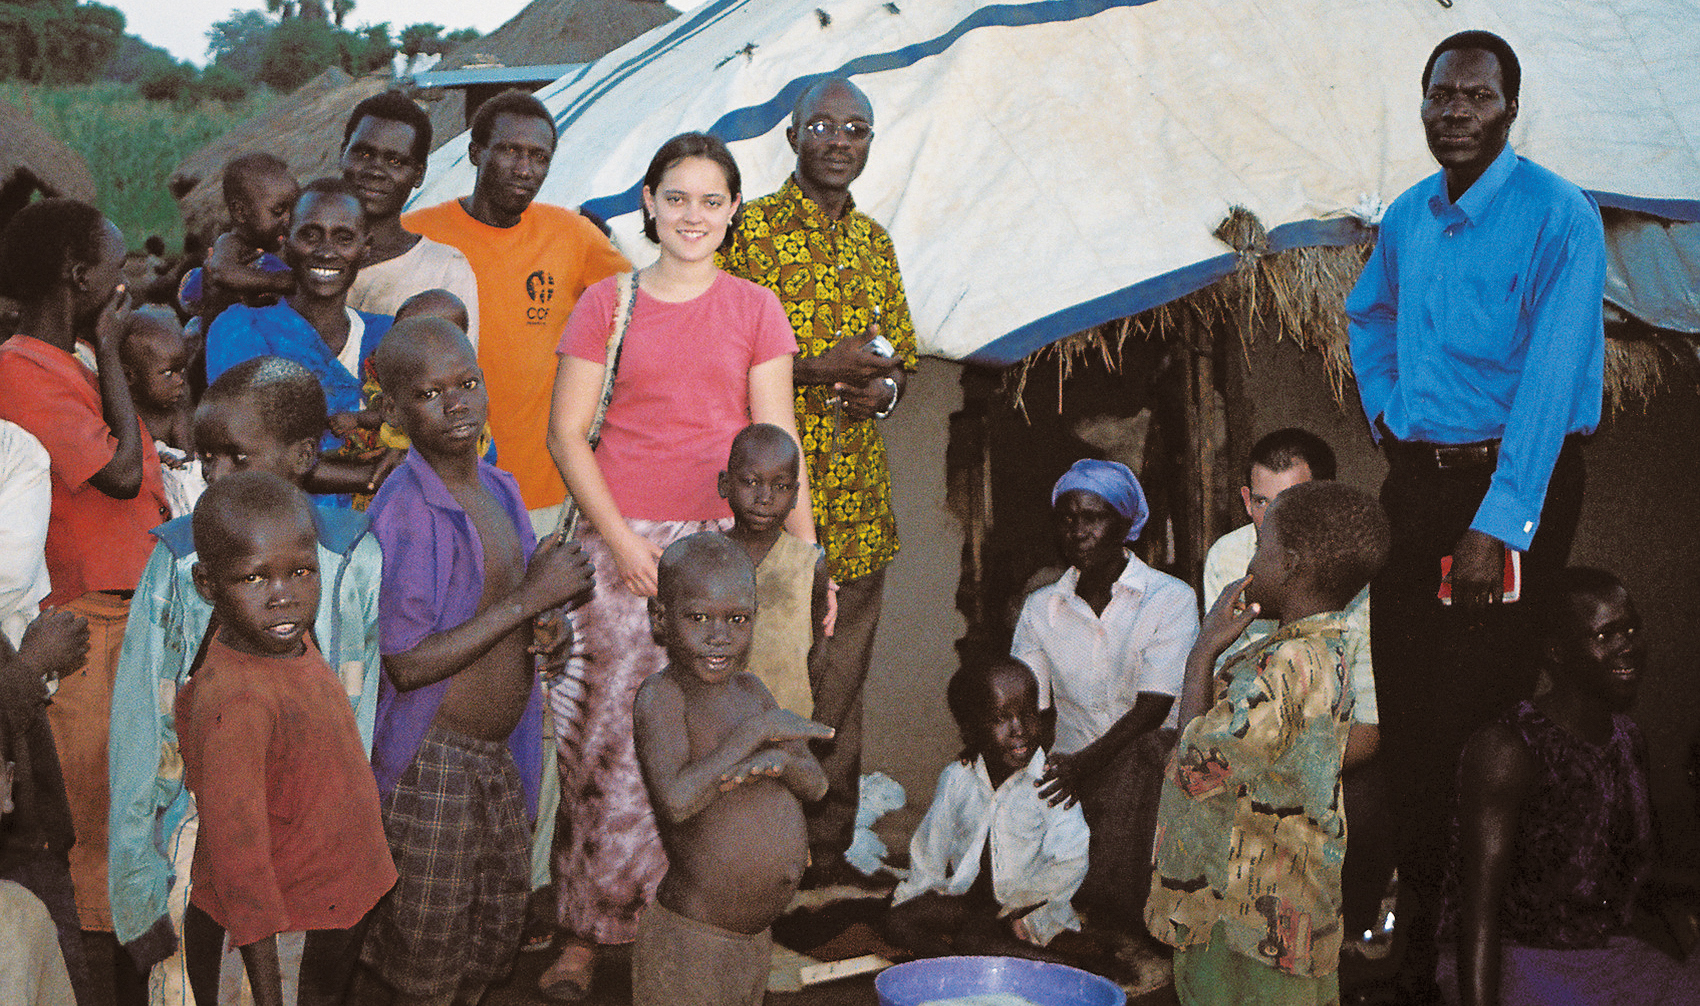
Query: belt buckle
<point>1461,455</point>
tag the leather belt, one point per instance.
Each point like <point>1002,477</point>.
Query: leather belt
<point>1440,457</point>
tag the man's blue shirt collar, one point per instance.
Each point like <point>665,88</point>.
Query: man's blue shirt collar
<point>1471,206</point>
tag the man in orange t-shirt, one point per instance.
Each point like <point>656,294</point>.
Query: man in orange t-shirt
<point>532,262</point>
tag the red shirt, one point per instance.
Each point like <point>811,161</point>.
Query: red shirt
<point>94,542</point>
<point>290,837</point>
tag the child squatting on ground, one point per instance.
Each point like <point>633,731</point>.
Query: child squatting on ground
<point>727,772</point>
<point>458,746</point>
<point>1251,830</point>
<point>993,864</point>
<point>760,483</point>
<point>290,839</point>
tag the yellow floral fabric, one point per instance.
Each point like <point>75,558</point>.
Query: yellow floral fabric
<point>1251,831</point>
<point>831,275</point>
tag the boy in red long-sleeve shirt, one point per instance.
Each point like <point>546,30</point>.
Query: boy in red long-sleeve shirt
<point>290,837</point>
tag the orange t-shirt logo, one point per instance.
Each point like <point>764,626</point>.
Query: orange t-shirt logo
<point>540,287</point>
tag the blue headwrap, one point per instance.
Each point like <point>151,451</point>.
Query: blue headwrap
<point>1114,483</point>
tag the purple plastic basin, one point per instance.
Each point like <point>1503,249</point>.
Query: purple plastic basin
<point>923,981</point>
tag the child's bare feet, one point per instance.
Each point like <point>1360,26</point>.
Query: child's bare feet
<point>568,979</point>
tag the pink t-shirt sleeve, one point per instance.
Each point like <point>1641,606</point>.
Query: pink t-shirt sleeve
<point>588,327</point>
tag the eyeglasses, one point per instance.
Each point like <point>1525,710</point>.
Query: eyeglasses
<point>856,131</point>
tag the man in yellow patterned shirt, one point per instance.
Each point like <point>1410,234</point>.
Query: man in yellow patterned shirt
<point>836,273</point>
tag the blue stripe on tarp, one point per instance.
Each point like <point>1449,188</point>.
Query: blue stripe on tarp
<point>758,120</point>
<point>1159,290</point>
<point>678,31</point>
<point>1680,210</point>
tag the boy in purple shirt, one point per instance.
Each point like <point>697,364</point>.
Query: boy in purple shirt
<point>459,710</point>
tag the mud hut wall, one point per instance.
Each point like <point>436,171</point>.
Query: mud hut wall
<point>907,730</point>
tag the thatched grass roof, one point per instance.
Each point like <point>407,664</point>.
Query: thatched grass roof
<point>561,31</point>
<point>546,32</point>
<point>305,129</point>
<point>1300,294</point>
<point>31,159</point>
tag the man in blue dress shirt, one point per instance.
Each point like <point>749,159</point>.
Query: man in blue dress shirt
<point>1478,344</point>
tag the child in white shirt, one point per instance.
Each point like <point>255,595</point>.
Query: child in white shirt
<point>992,866</point>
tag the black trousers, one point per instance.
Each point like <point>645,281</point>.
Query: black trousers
<point>1443,671</point>
<point>328,958</point>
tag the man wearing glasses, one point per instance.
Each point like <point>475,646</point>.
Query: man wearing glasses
<point>384,147</point>
<point>835,271</point>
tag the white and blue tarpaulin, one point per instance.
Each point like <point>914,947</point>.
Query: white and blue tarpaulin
<point>1051,165</point>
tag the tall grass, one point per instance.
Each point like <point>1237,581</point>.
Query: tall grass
<point>131,145</point>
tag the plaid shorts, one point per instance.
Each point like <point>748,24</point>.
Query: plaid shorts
<point>456,824</point>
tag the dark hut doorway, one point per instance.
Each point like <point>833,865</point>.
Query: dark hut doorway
<point>1021,428</point>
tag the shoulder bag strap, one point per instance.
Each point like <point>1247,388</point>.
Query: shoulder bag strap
<point>625,299</point>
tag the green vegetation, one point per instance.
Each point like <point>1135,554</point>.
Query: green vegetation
<point>308,35</point>
<point>58,41</point>
<point>290,43</point>
<point>131,145</point>
<point>134,112</point>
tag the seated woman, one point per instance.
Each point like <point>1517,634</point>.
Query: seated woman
<point>1555,834</point>
<point>705,354</point>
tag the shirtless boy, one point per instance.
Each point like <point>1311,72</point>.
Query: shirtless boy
<point>459,708</point>
<point>727,771</point>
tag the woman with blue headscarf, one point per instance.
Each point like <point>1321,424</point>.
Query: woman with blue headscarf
<point>1108,643</point>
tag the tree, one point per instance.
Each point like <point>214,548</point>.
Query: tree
<point>221,84</point>
<point>340,9</point>
<point>238,43</point>
<point>368,49</point>
<point>171,82</point>
<point>298,50</point>
<point>60,41</point>
<point>424,39</point>
<point>134,61</point>
<point>284,9</point>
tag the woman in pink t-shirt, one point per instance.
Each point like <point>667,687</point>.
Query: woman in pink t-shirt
<point>705,354</point>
